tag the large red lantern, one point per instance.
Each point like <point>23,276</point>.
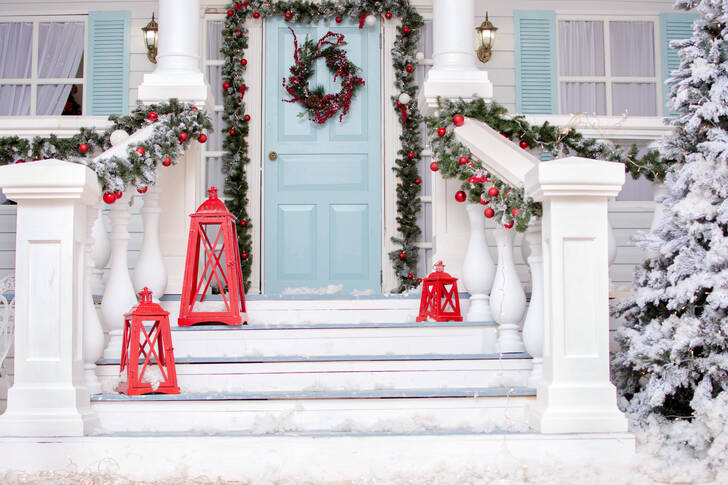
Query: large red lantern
<point>439,300</point>
<point>212,229</point>
<point>156,373</point>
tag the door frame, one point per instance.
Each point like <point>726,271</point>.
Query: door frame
<point>390,145</point>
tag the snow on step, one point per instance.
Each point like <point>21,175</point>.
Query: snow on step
<point>342,373</point>
<point>482,410</point>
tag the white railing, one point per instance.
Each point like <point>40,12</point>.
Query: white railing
<point>7,318</point>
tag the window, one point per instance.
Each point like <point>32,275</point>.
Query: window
<point>608,67</point>
<point>213,62</point>
<point>41,67</point>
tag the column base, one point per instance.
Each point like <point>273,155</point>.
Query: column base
<point>456,84</point>
<point>479,309</point>
<point>185,86</point>
<point>113,349</point>
<point>509,339</point>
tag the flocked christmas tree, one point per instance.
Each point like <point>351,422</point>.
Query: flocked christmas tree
<point>673,367</point>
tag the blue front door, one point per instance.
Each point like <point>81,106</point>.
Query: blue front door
<point>322,209</point>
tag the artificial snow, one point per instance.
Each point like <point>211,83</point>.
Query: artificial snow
<point>328,290</point>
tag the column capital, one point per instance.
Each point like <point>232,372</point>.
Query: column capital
<point>575,176</point>
<point>50,179</point>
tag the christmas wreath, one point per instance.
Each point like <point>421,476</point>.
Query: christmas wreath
<point>319,105</point>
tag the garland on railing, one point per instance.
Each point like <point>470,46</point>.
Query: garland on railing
<point>506,203</point>
<point>175,125</point>
<point>235,41</point>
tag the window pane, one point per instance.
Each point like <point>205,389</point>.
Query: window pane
<point>632,48</point>
<point>60,49</point>
<point>584,98</point>
<point>214,138</point>
<point>635,99</point>
<point>16,47</point>
<point>214,77</point>
<point>581,48</point>
<point>214,39</point>
<point>214,175</point>
<point>52,99</point>
<point>14,100</point>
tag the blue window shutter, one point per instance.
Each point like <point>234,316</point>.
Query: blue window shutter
<point>535,61</point>
<point>673,26</point>
<point>108,63</point>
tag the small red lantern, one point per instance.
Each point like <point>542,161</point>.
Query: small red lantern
<point>221,264</point>
<point>440,301</point>
<point>157,372</point>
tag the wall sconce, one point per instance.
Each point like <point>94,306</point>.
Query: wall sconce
<point>150,39</point>
<point>486,37</point>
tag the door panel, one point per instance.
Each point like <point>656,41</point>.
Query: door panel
<point>322,194</point>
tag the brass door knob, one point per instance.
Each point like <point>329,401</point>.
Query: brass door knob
<point>273,156</point>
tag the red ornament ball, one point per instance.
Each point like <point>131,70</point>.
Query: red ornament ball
<point>183,137</point>
<point>463,160</point>
<point>493,191</point>
<point>243,62</point>
<point>406,30</point>
<point>118,194</point>
<point>489,212</point>
<point>441,131</point>
<point>83,148</point>
<point>483,200</point>
<point>247,118</point>
<point>509,225</point>
<point>411,155</point>
<point>409,68</point>
<point>142,190</point>
<point>244,255</point>
<point>202,138</point>
<point>194,108</point>
<point>109,198</point>
<point>419,280</point>
<point>434,167</point>
<point>388,15</point>
<point>238,32</point>
<point>238,6</point>
<point>339,20</point>
<point>140,150</point>
<point>410,276</point>
<point>458,119</point>
<point>152,116</point>
<point>402,256</point>
<point>523,144</point>
<point>226,85</point>
<point>230,13</point>
<point>256,15</point>
<point>288,15</point>
<point>167,162</point>
<point>418,181</point>
<point>243,223</point>
<point>460,196</point>
<point>515,212</point>
<point>20,161</point>
<point>242,89</point>
<point>232,131</point>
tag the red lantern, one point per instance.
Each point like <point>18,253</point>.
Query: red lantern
<point>439,300</point>
<point>221,265</point>
<point>157,372</point>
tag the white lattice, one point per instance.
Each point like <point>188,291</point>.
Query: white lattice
<point>7,316</point>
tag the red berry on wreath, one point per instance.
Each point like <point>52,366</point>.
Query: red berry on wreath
<point>405,30</point>
<point>247,118</point>
<point>243,62</point>
<point>167,162</point>
<point>409,68</point>
<point>489,212</point>
<point>118,194</point>
<point>226,85</point>
<point>441,131</point>
<point>238,6</point>
<point>458,119</point>
<point>109,198</point>
<point>515,212</point>
<point>183,137</point>
<point>256,15</point>
<point>230,13</point>
<point>509,225</point>
<point>339,20</point>
<point>83,148</point>
<point>388,15</point>
<point>244,255</point>
<point>202,138</point>
<point>434,167</point>
<point>402,255</point>
<point>411,155</point>
<point>493,191</point>
<point>523,144</point>
<point>418,181</point>
<point>140,150</point>
<point>152,116</point>
<point>142,190</point>
<point>460,196</point>
<point>463,160</point>
<point>288,15</point>
<point>410,276</point>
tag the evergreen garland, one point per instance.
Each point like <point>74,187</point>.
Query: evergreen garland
<point>139,167</point>
<point>235,42</point>
<point>510,204</point>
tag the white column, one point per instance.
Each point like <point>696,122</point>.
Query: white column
<point>478,268</point>
<point>150,270</point>
<point>93,332</point>
<point>575,394</point>
<point>99,254</point>
<point>119,294</point>
<point>49,397</point>
<point>454,72</point>
<point>533,330</point>
<point>507,298</point>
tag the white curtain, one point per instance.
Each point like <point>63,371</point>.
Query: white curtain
<point>633,54</point>
<point>213,165</point>
<point>590,98</point>
<point>634,99</point>
<point>581,53</point>
<point>16,44</point>
<point>60,49</point>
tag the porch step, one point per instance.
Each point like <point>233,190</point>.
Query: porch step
<point>475,409</point>
<point>340,373</point>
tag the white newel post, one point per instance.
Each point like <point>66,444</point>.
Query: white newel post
<point>533,325</point>
<point>93,332</point>
<point>49,396</point>
<point>507,298</point>
<point>119,294</point>
<point>100,254</point>
<point>150,270</point>
<point>575,394</point>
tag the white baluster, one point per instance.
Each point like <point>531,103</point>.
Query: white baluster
<point>507,298</point>
<point>659,191</point>
<point>119,295</point>
<point>99,254</point>
<point>150,270</point>
<point>533,325</point>
<point>93,333</point>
